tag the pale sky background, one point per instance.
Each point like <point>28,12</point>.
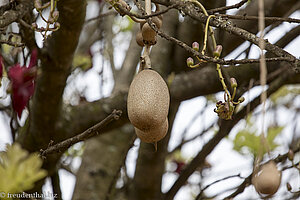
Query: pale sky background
<point>224,160</point>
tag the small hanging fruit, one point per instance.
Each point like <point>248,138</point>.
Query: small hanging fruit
<point>267,180</point>
<point>149,35</point>
<point>139,39</point>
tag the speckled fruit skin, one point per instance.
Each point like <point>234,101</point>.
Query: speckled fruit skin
<point>153,135</point>
<point>268,179</point>
<point>149,35</point>
<point>148,100</point>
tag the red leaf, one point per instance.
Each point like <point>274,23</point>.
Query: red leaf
<point>22,79</point>
<point>33,58</point>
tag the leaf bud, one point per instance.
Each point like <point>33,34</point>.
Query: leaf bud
<point>195,46</point>
<point>233,83</point>
<point>218,51</point>
<point>241,99</point>
<point>55,15</point>
<point>190,61</point>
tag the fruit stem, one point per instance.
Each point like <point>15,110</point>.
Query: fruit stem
<point>223,82</point>
<point>155,146</point>
<point>206,14</point>
<point>148,7</point>
<point>205,34</point>
<point>145,62</point>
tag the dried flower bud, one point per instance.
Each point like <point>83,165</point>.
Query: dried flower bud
<point>224,110</point>
<point>288,187</point>
<point>189,61</point>
<point>218,51</point>
<point>290,155</point>
<point>233,83</point>
<point>195,46</point>
<point>241,99</point>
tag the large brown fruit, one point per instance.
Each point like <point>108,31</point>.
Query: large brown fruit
<point>153,135</point>
<point>268,179</point>
<point>148,100</point>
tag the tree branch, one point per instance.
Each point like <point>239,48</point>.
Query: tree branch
<point>270,19</point>
<point>238,5</point>
<point>191,10</point>
<point>56,185</point>
<point>217,181</point>
<point>56,58</point>
<point>93,131</point>
<point>224,130</point>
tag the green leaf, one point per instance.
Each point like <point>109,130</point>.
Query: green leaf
<point>247,141</point>
<point>19,170</point>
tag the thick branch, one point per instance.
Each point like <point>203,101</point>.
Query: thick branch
<point>56,59</point>
<point>101,162</point>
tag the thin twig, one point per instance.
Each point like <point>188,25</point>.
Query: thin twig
<point>217,181</point>
<point>215,60</point>
<point>238,5</point>
<point>179,146</point>
<point>101,16</point>
<point>139,6</point>
<point>271,19</point>
<point>147,16</point>
<point>93,131</point>
<point>194,13</point>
